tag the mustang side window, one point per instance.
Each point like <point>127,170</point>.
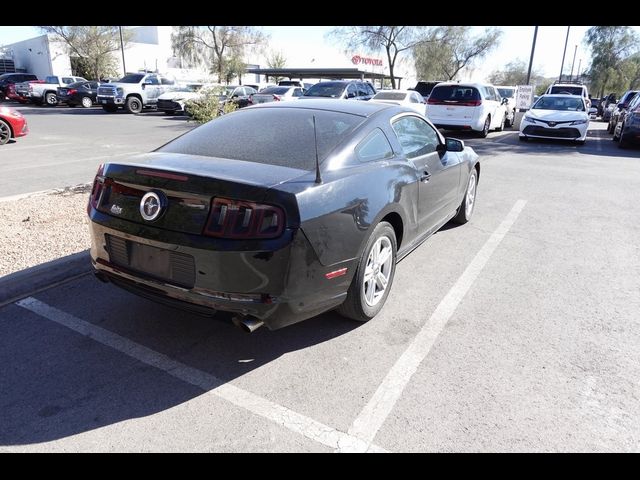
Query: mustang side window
<point>374,147</point>
<point>415,136</point>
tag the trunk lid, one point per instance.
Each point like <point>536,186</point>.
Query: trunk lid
<point>190,183</point>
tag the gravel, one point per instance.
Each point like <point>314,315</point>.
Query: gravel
<point>43,227</point>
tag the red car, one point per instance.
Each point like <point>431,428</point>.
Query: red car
<point>12,95</point>
<point>12,124</point>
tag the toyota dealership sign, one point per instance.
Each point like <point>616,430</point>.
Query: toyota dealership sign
<point>358,60</point>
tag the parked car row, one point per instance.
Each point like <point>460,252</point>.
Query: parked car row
<point>624,120</point>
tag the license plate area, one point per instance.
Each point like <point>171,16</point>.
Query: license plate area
<point>161,264</point>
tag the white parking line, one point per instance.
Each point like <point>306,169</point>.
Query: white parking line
<point>58,163</point>
<point>19,149</point>
<point>278,414</point>
<point>376,411</point>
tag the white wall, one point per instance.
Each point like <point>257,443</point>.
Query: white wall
<point>41,57</point>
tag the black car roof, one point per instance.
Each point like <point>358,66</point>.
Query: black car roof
<point>354,107</point>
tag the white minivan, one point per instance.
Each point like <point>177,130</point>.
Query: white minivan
<point>467,106</point>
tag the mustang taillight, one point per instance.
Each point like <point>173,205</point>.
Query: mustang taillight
<point>96,190</point>
<point>241,219</point>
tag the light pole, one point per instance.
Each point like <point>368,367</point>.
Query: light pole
<point>579,63</point>
<point>573,62</point>
<point>563,53</point>
<point>533,49</point>
<point>122,48</point>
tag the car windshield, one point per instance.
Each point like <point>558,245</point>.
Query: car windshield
<point>565,89</point>
<point>273,136</point>
<point>132,78</point>
<point>559,103</point>
<point>506,92</point>
<point>327,89</point>
<point>390,96</point>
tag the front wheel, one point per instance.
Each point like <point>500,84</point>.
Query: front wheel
<point>465,210</point>
<point>372,281</point>
<point>5,132</point>
<point>133,105</point>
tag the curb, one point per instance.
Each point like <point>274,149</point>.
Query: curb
<point>22,284</point>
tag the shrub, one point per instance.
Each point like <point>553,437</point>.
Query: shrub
<point>208,105</point>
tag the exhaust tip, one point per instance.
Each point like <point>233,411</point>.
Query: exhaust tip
<point>247,324</point>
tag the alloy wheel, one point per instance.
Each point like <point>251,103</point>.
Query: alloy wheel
<point>377,271</point>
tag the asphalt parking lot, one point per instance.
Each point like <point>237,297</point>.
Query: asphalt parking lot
<point>516,332</point>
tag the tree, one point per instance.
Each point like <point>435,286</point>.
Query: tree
<point>276,59</point>
<point>610,47</point>
<point>451,49</point>
<point>91,48</point>
<point>221,48</point>
<point>394,40</point>
<point>515,73</point>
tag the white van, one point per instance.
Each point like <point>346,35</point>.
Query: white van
<point>467,106</point>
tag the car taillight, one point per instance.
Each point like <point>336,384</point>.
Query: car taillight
<point>71,91</point>
<point>240,219</point>
<point>471,103</point>
<point>96,190</point>
<point>433,101</point>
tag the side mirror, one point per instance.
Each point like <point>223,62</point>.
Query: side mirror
<point>453,145</point>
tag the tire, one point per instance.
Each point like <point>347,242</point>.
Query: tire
<point>485,128</point>
<point>86,102</point>
<point>110,108</point>
<point>51,99</point>
<point>465,210</point>
<point>623,143</point>
<point>509,123</point>
<point>364,299</point>
<point>502,125</point>
<point>133,105</point>
<point>5,132</point>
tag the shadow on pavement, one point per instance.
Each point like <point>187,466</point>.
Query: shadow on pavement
<point>57,383</point>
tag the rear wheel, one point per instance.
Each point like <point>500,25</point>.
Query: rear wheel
<point>372,281</point>
<point>51,99</point>
<point>465,210</point>
<point>86,102</point>
<point>485,129</point>
<point>133,105</point>
<point>5,132</point>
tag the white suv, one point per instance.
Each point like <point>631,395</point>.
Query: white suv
<point>467,106</point>
<point>568,88</point>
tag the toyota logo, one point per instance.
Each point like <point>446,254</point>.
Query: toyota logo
<point>151,206</point>
<point>552,124</point>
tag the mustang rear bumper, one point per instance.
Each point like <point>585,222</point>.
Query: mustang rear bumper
<point>280,283</point>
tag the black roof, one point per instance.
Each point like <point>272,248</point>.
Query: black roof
<point>354,107</point>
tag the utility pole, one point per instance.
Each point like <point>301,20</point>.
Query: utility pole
<point>579,63</point>
<point>122,48</point>
<point>533,49</point>
<point>573,62</point>
<point>564,53</point>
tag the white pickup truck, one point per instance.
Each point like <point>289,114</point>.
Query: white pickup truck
<point>40,93</point>
<point>133,92</point>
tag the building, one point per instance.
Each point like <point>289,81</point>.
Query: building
<point>150,49</point>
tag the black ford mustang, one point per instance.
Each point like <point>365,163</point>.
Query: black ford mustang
<point>311,211</point>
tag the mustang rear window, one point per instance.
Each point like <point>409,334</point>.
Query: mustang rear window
<point>273,136</point>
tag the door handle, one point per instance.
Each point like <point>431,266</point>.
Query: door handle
<point>425,177</point>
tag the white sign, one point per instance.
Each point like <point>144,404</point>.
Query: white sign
<point>524,97</point>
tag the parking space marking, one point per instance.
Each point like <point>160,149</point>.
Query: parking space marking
<point>376,411</point>
<point>19,149</point>
<point>78,160</point>
<point>257,405</point>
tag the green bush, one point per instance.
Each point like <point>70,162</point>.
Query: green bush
<point>208,106</point>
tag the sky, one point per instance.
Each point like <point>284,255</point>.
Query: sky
<point>309,46</point>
